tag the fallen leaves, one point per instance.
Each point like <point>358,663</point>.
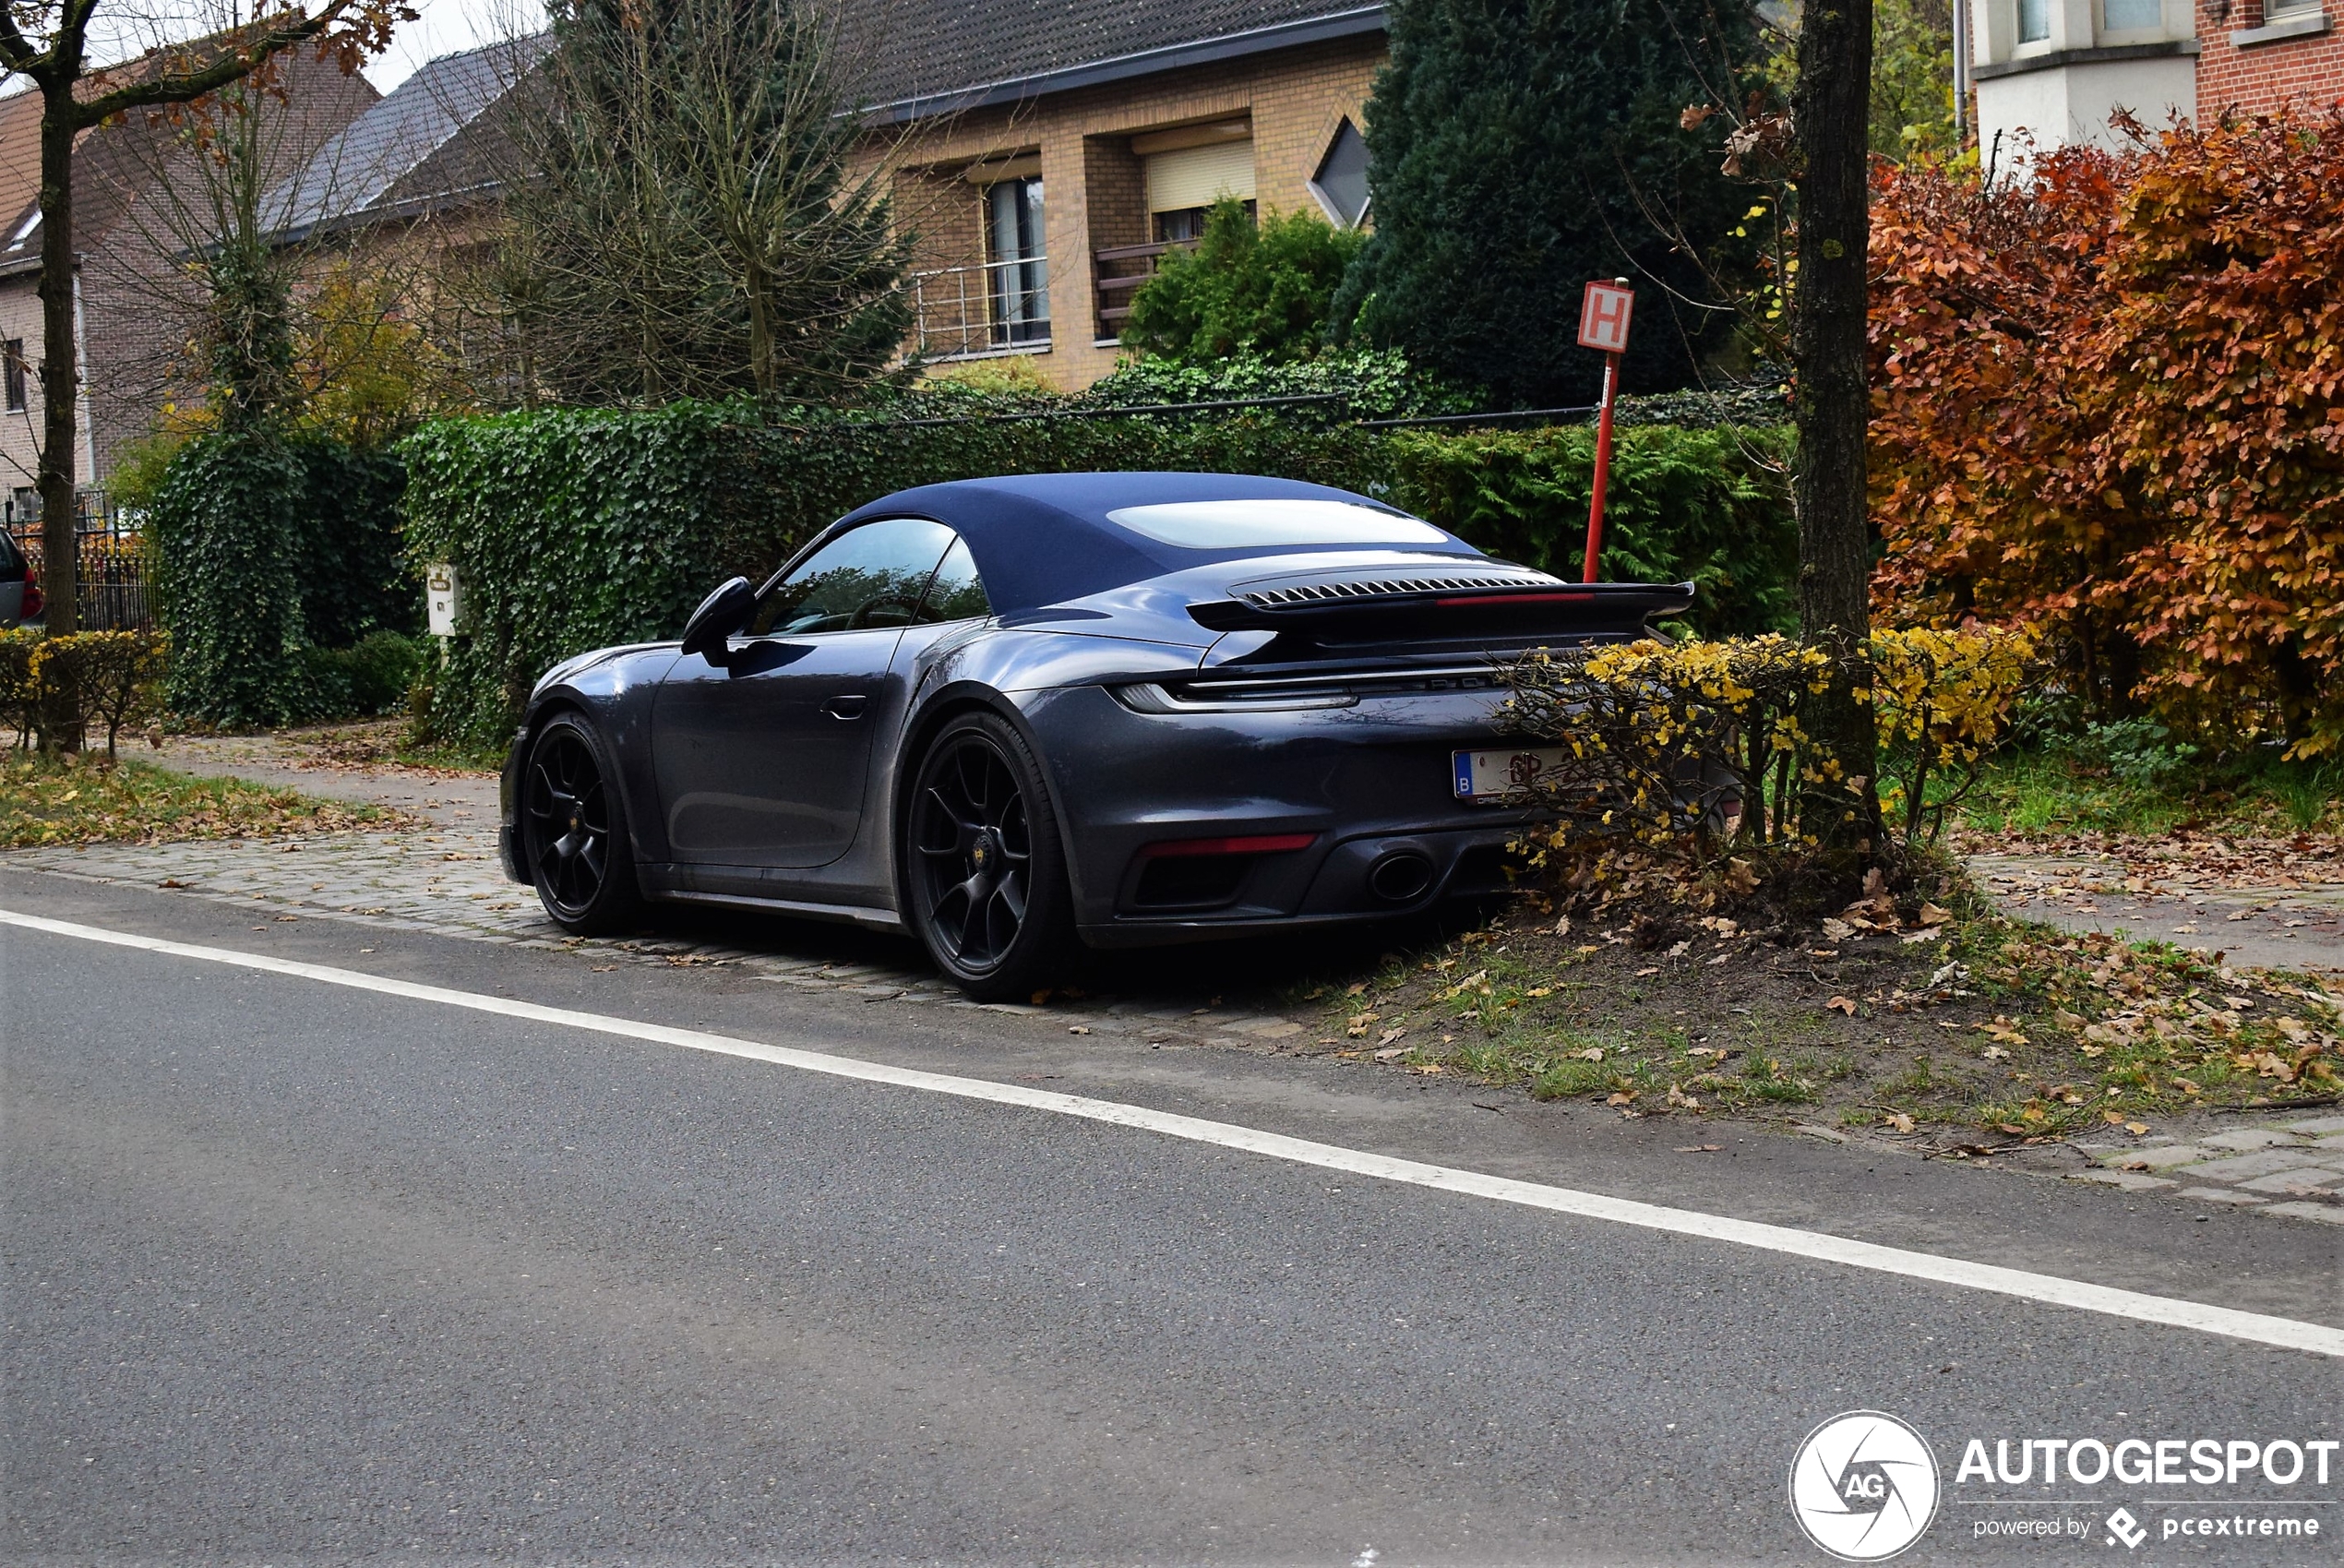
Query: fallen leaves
<point>1842,1004</point>
<point>51,800</point>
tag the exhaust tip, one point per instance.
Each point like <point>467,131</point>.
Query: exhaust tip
<point>1400,876</point>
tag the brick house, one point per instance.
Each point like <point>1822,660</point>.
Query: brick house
<point>136,306</point>
<point>1046,155</point>
<point>407,194</point>
<point>2057,70</point>
<point>2258,56</point>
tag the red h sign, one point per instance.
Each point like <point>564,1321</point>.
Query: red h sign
<point>1603,318</point>
<point>1603,325</point>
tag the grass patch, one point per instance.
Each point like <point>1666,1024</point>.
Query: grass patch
<point>2057,790</point>
<point>49,800</point>
<point>1989,1028</point>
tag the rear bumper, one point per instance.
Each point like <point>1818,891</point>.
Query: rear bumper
<point>1336,888</point>
<point>1370,786</point>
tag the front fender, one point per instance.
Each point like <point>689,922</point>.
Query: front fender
<point>612,687</point>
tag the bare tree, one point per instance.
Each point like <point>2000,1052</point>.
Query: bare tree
<point>204,195</point>
<point>49,42</point>
<point>694,214</point>
<point>266,313</point>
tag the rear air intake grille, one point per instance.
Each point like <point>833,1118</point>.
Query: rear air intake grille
<point>1386,588</point>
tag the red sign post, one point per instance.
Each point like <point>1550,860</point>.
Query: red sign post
<point>1603,324</point>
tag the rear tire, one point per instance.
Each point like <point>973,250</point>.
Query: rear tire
<point>573,831</point>
<point>984,867</point>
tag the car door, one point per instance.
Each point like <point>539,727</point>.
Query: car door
<point>764,762</point>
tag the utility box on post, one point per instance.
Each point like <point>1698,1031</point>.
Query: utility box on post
<point>441,600</point>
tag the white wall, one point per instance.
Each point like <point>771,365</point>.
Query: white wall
<point>2066,104</point>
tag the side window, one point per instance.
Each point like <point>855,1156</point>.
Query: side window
<point>872,576</point>
<point>955,595</point>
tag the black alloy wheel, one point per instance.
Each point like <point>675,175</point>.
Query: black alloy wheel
<point>987,876</point>
<point>574,833</point>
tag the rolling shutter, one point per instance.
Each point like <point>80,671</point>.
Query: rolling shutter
<point>1198,176</point>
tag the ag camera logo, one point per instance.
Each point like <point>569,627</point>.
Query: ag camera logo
<point>1864,1486</point>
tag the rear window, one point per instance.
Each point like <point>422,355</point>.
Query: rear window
<point>1247,525</point>
<point>12,561</point>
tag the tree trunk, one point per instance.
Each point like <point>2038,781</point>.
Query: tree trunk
<point>60,388</point>
<point>60,366</point>
<point>1832,110</point>
<point>760,333</point>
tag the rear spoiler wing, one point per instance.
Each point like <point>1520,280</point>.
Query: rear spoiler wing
<point>1401,609</point>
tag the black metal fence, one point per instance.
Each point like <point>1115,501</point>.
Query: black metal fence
<point>113,565</point>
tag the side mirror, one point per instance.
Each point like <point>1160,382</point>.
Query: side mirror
<point>720,614</point>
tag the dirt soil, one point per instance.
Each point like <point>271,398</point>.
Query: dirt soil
<point>1966,1036</point>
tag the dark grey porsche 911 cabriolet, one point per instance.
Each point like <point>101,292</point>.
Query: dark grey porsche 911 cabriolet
<point>1012,713</point>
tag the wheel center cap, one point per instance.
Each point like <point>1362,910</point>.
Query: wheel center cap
<point>982,856</point>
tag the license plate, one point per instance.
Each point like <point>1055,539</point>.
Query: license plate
<point>1492,777</point>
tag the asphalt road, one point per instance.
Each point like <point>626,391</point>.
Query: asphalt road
<point>299,1274</point>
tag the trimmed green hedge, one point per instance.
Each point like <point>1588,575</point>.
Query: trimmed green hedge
<point>269,550</point>
<point>570,530</point>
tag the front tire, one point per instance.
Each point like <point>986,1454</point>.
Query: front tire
<point>985,867</point>
<point>573,828</point>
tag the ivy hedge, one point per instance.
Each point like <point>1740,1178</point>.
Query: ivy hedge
<point>269,549</point>
<point>573,529</point>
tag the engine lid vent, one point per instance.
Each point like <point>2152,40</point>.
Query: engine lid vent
<point>1351,589</point>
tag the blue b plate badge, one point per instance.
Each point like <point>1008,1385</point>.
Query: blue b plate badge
<point>1491,777</point>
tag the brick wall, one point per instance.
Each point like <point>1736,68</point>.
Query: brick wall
<point>2303,73</point>
<point>1093,197</point>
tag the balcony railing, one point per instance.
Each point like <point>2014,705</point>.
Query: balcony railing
<point>1120,272</point>
<point>984,308</point>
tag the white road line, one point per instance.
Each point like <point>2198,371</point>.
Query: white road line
<point>2285,1333</point>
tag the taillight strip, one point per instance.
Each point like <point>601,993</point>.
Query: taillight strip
<point>1263,844</point>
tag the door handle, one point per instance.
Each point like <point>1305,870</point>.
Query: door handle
<point>847,705</point>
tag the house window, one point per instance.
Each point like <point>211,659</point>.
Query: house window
<point>2034,21</point>
<point>1341,182</point>
<point>2132,16</point>
<point>12,372</point>
<point>24,504</point>
<point>1186,223</point>
<point>1020,272</point>
<point>2273,11</point>
<point>1183,182</point>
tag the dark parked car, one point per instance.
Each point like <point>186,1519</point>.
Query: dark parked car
<point>1012,713</point>
<point>20,595</point>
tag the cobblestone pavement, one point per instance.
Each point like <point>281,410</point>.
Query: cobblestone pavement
<point>2293,1166</point>
<point>2299,926</point>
